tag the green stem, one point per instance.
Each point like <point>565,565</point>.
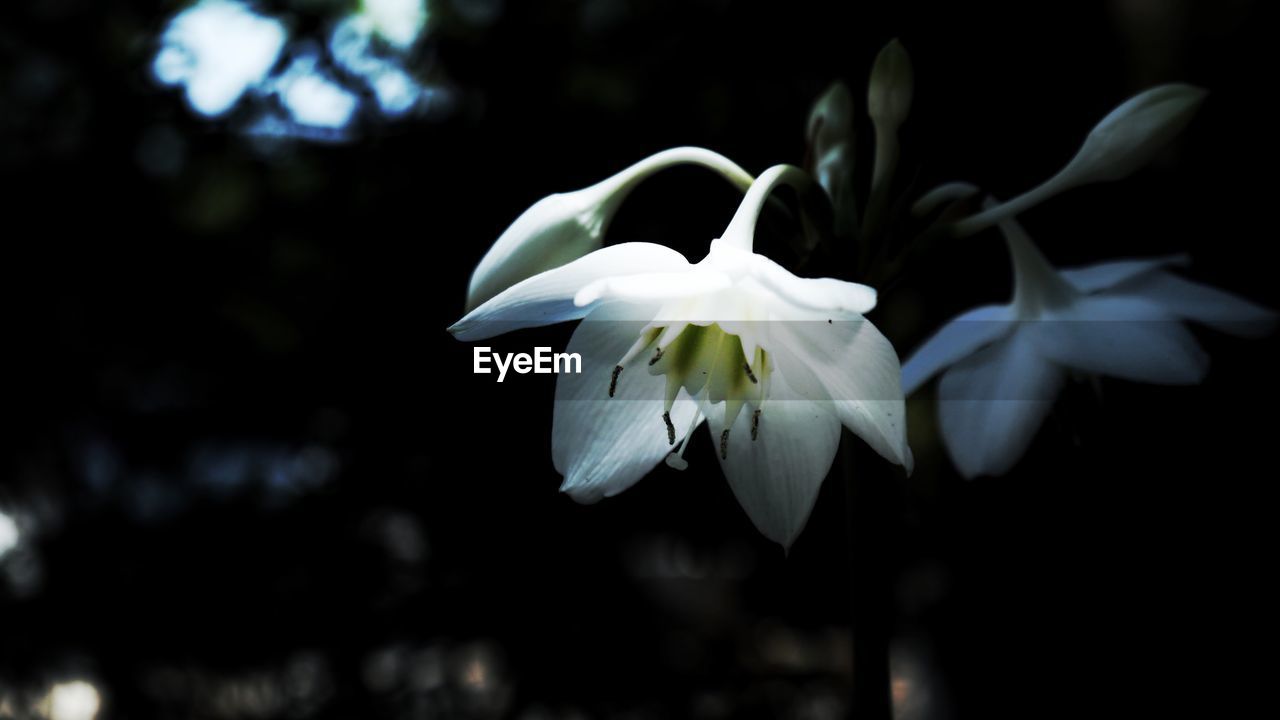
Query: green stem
<point>886,161</point>
<point>1010,208</point>
<point>622,183</point>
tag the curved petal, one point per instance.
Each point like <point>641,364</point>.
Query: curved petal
<point>850,363</point>
<point>1125,337</point>
<point>603,445</point>
<point>547,298</point>
<point>776,477</point>
<point>1092,278</point>
<point>1216,308</point>
<point>552,232</point>
<point>959,338</point>
<point>991,404</point>
<point>843,300</point>
<point>655,286</point>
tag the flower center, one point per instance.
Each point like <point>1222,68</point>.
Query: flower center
<point>708,363</point>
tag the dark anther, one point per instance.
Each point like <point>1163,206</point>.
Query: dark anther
<point>613,381</point>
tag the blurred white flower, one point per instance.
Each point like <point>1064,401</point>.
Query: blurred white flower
<point>71,700</point>
<point>566,226</point>
<point>9,534</point>
<point>218,49</point>
<point>772,362</point>
<point>312,98</point>
<point>1003,365</point>
<point>399,22</point>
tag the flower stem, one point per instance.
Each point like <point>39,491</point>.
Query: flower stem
<point>742,228</point>
<point>622,183</point>
<point>886,160</point>
<point>1008,209</point>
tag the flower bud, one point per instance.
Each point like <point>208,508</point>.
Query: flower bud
<point>1129,136</point>
<point>831,152</point>
<point>1125,140</point>
<point>563,227</point>
<point>891,86</point>
<point>830,120</point>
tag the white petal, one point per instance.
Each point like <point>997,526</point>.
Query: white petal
<point>547,298</point>
<point>654,287</point>
<point>1103,276</point>
<point>1125,337</point>
<point>838,298</point>
<point>554,231</point>
<point>776,477</point>
<point>959,338</point>
<point>603,445</point>
<point>850,363</point>
<point>991,404</point>
<point>1216,308</point>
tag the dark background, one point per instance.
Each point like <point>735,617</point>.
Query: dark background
<point>256,478</point>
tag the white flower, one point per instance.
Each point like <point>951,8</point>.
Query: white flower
<point>218,49</point>
<point>1003,365</point>
<point>772,362</point>
<point>398,21</point>
<point>566,226</point>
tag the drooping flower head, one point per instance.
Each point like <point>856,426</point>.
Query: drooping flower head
<point>774,365</point>
<point>1002,366</point>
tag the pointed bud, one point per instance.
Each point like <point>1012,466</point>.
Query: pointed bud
<point>561,228</point>
<point>831,120</point>
<point>554,231</point>
<point>1129,136</point>
<point>1125,140</point>
<point>889,92</point>
<point>831,153</point>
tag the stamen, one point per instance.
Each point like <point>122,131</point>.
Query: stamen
<point>750,375</point>
<point>663,340</point>
<point>641,344</point>
<point>613,381</point>
<point>671,429</point>
<point>755,425</point>
<point>724,444</point>
<point>675,459</point>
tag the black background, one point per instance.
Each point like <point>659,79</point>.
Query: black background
<point>298,298</point>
